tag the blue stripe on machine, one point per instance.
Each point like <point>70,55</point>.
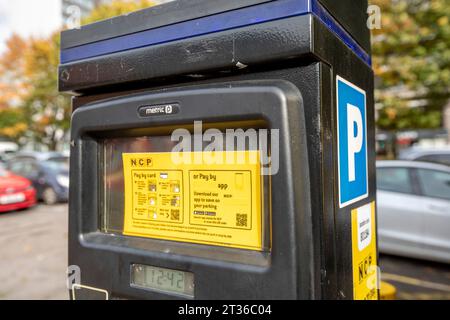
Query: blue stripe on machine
<point>239,18</point>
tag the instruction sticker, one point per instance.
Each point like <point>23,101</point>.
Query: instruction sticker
<point>364,248</point>
<point>214,204</point>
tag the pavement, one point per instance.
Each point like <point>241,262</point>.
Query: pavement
<point>416,279</point>
<point>33,254</point>
<point>33,261</point>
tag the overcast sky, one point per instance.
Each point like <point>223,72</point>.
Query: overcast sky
<point>28,18</point>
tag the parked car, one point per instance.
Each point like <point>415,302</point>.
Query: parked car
<point>41,156</point>
<point>5,156</point>
<point>414,209</point>
<point>16,193</point>
<point>435,155</point>
<point>49,173</point>
<point>7,146</point>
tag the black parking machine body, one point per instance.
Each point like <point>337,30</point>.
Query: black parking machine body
<point>223,150</point>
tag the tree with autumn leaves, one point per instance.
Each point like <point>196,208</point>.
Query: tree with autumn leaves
<point>411,57</point>
<point>12,89</point>
<point>31,108</point>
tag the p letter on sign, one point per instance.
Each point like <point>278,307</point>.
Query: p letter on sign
<point>352,142</point>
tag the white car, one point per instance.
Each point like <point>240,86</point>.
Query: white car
<point>435,155</point>
<point>414,209</point>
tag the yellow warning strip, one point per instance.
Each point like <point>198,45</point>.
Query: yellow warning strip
<point>415,282</point>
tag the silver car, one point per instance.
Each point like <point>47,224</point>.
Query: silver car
<point>435,155</point>
<point>414,209</point>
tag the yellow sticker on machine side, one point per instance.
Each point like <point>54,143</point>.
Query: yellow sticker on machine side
<point>193,200</point>
<point>364,252</point>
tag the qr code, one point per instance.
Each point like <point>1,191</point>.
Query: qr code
<point>241,220</point>
<point>175,215</point>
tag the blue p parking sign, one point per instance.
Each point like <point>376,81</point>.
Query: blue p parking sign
<point>352,142</point>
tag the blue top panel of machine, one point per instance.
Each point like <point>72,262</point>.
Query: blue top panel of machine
<point>222,21</point>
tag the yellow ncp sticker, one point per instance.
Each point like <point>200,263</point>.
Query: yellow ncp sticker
<point>195,201</point>
<point>364,243</point>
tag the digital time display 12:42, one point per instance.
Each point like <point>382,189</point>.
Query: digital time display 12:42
<point>162,280</point>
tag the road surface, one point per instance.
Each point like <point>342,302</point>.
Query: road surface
<point>416,279</point>
<point>33,260</point>
<point>33,254</point>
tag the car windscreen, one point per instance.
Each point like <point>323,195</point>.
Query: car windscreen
<point>56,166</point>
<point>436,158</point>
<point>64,160</point>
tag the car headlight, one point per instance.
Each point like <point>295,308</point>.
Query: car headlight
<point>63,181</point>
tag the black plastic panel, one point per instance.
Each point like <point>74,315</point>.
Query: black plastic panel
<point>220,273</point>
<point>154,17</point>
<point>352,15</point>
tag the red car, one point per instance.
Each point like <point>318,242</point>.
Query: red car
<point>15,192</point>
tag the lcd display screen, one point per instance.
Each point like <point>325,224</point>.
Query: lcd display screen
<point>162,280</point>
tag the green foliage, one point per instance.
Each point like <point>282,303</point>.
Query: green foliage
<point>407,118</point>
<point>412,62</point>
<point>12,123</point>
